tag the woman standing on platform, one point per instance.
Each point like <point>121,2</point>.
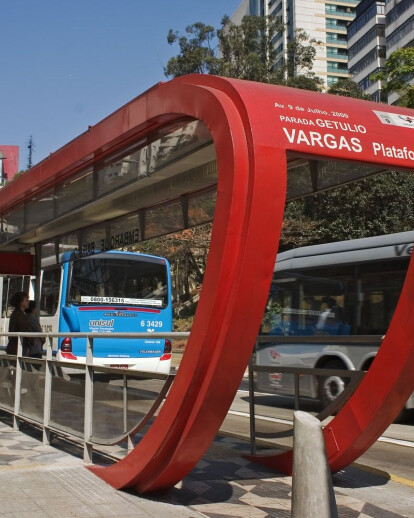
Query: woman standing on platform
<point>19,323</point>
<point>36,348</point>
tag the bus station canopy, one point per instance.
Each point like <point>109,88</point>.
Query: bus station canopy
<point>150,168</point>
<point>203,147</point>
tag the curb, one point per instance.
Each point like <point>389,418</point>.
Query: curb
<point>362,467</point>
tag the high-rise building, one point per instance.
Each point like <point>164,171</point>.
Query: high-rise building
<point>367,46</point>
<point>399,30</point>
<point>324,20</point>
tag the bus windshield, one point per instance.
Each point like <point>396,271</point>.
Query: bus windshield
<point>111,280</point>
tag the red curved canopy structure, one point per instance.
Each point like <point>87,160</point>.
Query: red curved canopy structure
<point>257,129</point>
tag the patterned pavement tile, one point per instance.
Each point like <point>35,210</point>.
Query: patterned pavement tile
<point>222,485</point>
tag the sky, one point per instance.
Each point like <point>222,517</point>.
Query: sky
<point>67,64</point>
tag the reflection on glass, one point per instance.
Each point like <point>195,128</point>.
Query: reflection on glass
<point>93,239</point>
<point>48,254</point>
<point>33,390</point>
<point>164,219</point>
<point>67,245</point>
<point>146,160</point>
<point>201,207</point>
<point>310,176</point>
<point>7,381</point>
<point>123,232</point>
<point>115,413</point>
<point>39,210</point>
<point>68,400</point>
<point>12,224</point>
<point>74,192</point>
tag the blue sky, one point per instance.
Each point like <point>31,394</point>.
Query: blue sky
<point>66,64</point>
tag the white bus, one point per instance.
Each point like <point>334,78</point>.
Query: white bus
<point>334,289</point>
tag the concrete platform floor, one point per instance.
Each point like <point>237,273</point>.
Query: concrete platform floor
<point>41,481</point>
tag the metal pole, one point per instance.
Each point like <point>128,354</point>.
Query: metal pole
<point>18,383</point>
<point>252,409</point>
<point>131,437</point>
<point>48,390</point>
<point>88,416</point>
<point>296,391</point>
<point>125,403</point>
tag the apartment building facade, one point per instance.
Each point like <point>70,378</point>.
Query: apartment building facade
<point>367,46</point>
<point>324,20</point>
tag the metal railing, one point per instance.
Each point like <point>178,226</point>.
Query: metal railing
<point>355,376</point>
<point>18,365</point>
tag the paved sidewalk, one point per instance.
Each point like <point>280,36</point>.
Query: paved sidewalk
<point>38,481</point>
<point>42,481</point>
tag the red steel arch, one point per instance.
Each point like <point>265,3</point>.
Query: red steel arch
<point>253,126</point>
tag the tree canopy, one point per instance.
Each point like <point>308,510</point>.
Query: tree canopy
<point>398,76</point>
<point>245,51</point>
<point>348,88</point>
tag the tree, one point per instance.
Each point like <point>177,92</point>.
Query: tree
<point>245,51</point>
<point>380,205</point>
<point>397,75</point>
<point>348,88</point>
<point>197,54</point>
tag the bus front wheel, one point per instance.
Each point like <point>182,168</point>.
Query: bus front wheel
<point>330,387</point>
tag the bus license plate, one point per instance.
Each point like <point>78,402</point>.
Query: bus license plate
<point>119,366</point>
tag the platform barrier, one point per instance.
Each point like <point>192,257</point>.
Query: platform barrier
<point>91,404</point>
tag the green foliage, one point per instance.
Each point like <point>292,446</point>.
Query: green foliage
<point>245,51</point>
<point>348,88</point>
<point>196,52</point>
<point>397,74</point>
<point>380,205</point>
<point>301,52</point>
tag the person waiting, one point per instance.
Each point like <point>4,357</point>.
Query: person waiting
<point>19,323</point>
<point>36,348</point>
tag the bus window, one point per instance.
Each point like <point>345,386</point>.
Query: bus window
<point>304,305</point>
<point>15,285</point>
<point>119,280</point>
<point>5,297</point>
<point>26,284</point>
<point>378,300</point>
<point>49,297</point>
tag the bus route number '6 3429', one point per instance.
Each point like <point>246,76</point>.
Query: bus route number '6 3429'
<point>151,323</point>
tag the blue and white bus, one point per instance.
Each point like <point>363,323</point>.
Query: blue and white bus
<point>108,292</point>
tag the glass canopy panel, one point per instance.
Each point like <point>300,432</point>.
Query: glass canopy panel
<point>67,244</point>
<point>74,192</point>
<point>309,176</point>
<point>148,159</point>
<point>201,207</point>
<point>12,224</point>
<point>164,219</point>
<point>39,210</point>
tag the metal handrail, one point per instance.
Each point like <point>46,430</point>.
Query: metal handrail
<point>324,339</point>
<point>354,375</point>
<point>48,427</point>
